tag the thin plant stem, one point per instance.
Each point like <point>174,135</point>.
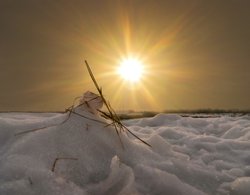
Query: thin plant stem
<point>111,113</point>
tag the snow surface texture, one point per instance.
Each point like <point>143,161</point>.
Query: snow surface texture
<point>188,156</point>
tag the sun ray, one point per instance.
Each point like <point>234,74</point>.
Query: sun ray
<point>150,98</point>
<point>123,39</point>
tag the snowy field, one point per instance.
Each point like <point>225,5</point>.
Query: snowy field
<point>189,156</point>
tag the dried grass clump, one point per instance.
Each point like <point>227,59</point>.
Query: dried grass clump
<point>116,122</point>
<point>110,114</point>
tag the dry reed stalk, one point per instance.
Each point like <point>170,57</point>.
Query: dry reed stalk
<point>116,122</point>
<point>71,111</point>
<point>111,115</point>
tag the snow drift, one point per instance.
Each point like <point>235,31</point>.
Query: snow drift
<point>188,156</point>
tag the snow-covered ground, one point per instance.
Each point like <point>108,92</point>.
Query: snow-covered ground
<point>188,156</point>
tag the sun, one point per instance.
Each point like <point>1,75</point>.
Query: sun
<point>131,69</point>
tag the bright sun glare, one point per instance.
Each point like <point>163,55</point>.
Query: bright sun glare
<point>131,69</point>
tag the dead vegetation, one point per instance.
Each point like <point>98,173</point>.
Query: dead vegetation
<point>110,115</point>
<point>116,122</point>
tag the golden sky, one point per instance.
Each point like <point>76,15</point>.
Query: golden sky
<point>196,53</point>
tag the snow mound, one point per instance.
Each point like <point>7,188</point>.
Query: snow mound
<point>83,156</point>
<point>241,186</point>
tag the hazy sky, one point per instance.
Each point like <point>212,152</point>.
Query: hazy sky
<point>196,53</point>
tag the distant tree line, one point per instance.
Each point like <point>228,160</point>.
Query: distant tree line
<point>133,114</point>
<point>209,111</point>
